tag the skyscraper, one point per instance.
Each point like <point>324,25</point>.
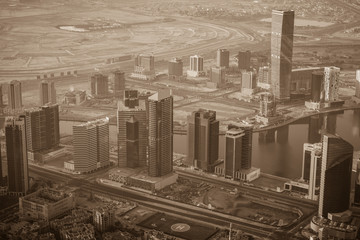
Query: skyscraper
<point>331,83</point>
<point>18,176</point>
<point>91,145</point>
<point>203,139</point>
<point>357,83</point>
<point>132,130</point>
<point>1,95</point>
<point>335,180</point>
<point>282,34</point>
<point>1,171</point>
<point>244,60</point>
<point>47,92</point>
<point>160,133</point>
<point>42,128</point>
<point>145,64</point>
<point>196,66</point>
<point>357,184</point>
<point>175,68</point>
<point>315,124</point>
<point>311,168</point>
<point>119,83</point>
<point>238,148</point>
<point>317,86</point>
<point>217,76</point>
<point>248,80</point>
<point>264,75</point>
<point>99,84</point>
<point>267,105</point>
<point>15,95</point>
<point>222,58</point>
<point>144,67</point>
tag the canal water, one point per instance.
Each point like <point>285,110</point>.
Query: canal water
<point>277,151</point>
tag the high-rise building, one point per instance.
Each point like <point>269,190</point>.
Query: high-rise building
<point>222,58</point>
<point>1,171</point>
<point>1,95</point>
<point>144,64</point>
<point>15,95</point>
<point>267,105</point>
<point>315,124</point>
<point>329,123</point>
<point>244,60</point>
<point>357,84</point>
<point>317,86</point>
<point>203,139</point>
<point>47,92</point>
<point>248,80</point>
<point>335,180</point>
<point>217,76</point>
<point>282,35</point>
<point>144,67</point>
<point>175,69</point>
<point>18,176</point>
<point>331,83</point>
<point>357,184</point>
<point>119,83</point>
<point>196,66</point>
<point>99,84</point>
<point>160,133</point>
<point>42,128</point>
<point>104,217</point>
<point>238,148</point>
<point>132,130</point>
<point>311,167</point>
<point>91,145</point>
<point>264,75</point>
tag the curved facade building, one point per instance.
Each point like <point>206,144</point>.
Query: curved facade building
<point>335,180</point>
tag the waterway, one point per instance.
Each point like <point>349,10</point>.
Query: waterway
<point>279,151</point>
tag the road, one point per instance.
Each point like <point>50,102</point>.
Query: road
<point>157,203</point>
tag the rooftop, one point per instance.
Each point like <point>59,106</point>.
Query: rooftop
<point>137,173</point>
<point>274,11</point>
<point>306,69</point>
<point>234,132</point>
<point>161,94</point>
<point>142,107</point>
<point>39,109</point>
<point>93,123</point>
<point>106,208</point>
<point>46,195</point>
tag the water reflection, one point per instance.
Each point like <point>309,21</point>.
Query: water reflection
<point>279,151</point>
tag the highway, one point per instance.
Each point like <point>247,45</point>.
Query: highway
<point>157,203</point>
<point>299,203</point>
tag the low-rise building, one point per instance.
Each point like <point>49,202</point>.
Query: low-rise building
<point>328,229</point>
<point>75,97</point>
<point>80,231</point>
<point>78,216</point>
<point>138,178</point>
<point>46,204</point>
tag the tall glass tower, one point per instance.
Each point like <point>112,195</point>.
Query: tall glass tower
<point>282,35</point>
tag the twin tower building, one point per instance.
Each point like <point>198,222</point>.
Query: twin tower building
<point>145,132</point>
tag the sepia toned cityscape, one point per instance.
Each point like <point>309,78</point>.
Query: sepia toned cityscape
<point>179,119</point>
